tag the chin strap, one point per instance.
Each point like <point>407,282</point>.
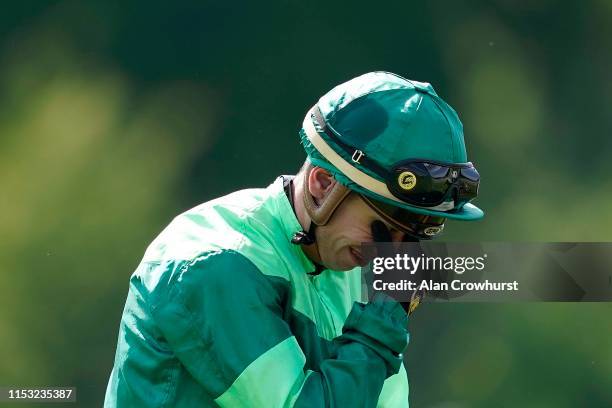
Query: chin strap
<point>304,237</point>
<point>319,214</point>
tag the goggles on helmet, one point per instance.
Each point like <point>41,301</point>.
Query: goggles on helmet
<point>425,183</point>
<point>415,225</point>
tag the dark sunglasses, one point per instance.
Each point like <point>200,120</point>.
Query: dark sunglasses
<point>415,225</point>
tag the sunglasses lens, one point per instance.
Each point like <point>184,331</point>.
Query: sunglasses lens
<point>405,220</point>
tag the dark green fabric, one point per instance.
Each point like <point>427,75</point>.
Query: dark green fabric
<point>218,315</point>
<point>316,349</point>
<point>381,325</point>
<point>147,372</point>
<point>352,378</point>
<point>382,319</point>
<point>368,351</point>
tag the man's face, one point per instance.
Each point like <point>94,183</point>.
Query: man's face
<point>339,241</point>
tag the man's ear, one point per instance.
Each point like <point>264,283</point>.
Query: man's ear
<point>320,182</point>
<point>322,194</point>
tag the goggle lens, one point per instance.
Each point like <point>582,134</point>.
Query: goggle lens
<point>429,184</point>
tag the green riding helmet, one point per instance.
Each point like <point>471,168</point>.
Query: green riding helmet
<point>396,143</point>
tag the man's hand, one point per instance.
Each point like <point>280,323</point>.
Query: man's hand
<point>381,234</point>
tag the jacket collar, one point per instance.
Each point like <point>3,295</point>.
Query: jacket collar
<point>289,222</point>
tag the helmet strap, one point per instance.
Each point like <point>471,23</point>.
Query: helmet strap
<point>320,214</point>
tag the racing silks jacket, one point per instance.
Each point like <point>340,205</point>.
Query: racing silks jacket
<point>222,311</point>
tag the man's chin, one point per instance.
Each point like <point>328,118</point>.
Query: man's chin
<point>347,260</point>
<point>350,261</point>
<point>357,257</point>
<point>342,266</point>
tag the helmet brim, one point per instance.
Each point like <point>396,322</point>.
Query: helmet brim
<point>469,212</point>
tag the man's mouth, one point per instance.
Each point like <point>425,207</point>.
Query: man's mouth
<point>358,257</point>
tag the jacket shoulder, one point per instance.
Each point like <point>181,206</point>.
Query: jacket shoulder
<point>222,273</point>
<point>214,225</point>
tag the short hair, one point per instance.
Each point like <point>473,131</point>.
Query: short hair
<point>304,166</point>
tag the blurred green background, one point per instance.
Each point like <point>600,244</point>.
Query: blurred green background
<point>116,116</point>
